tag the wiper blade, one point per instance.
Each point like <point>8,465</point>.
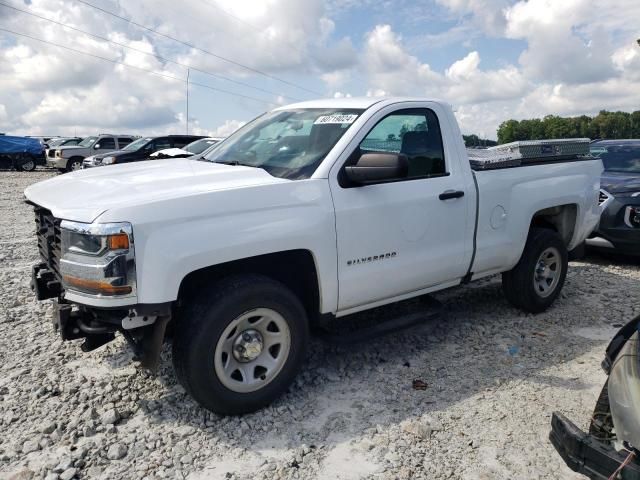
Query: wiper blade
<point>235,163</point>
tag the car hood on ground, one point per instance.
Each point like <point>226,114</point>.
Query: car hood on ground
<point>84,195</point>
<point>614,182</point>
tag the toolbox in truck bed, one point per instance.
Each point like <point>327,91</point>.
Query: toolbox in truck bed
<point>516,154</point>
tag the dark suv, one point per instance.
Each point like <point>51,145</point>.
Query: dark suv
<point>139,150</point>
<point>619,227</point>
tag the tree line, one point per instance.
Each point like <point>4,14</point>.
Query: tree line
<point>605,125</point>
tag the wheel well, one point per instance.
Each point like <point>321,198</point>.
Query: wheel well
<point>561,219</point>
<point>294,268</point>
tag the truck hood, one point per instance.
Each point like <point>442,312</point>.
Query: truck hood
<point>614,182</point>
<point>84,195</point>
<point>69,147</point>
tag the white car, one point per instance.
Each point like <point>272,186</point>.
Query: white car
<point>194,148</point>
<point>302,217</point>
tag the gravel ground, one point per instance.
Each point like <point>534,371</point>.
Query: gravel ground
<point>493,376</point>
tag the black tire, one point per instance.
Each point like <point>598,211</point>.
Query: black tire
<point>579,252</point>
<point>74,161</point>
<point>28,165</point>
<point>201,325</point>
<point>518,284</point>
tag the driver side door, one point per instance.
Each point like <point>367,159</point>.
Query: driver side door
<point>398,237</point>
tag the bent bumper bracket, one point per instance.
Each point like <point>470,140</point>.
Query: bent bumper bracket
<point>584,454</point>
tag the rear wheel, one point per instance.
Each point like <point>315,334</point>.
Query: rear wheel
<point>238,349</point>
<point>537,279</point>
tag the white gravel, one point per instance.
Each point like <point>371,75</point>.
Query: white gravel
<point>493,376</point>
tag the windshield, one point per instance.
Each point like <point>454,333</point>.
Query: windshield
<point>55,142</point>
<point>87,142</point>
<point>141,142</point>
<point>286,143</point>
<point>618,158</point>
<point>200,146</point>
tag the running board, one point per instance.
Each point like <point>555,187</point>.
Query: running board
<point>381,321</point>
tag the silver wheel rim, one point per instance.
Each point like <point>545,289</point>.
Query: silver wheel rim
<point>252,350</point>
<point>28,165</point>
<point>547,272</point>
<point>76,165</point>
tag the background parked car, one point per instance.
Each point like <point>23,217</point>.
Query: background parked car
<point>194,148</point>
<point>619,226</point>
<point>21,153</point>
<point>51,145</point>
<point>62,141</point>
<point>69,157</point>
<point>140,150</point>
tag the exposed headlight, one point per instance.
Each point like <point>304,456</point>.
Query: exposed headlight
<point>632,216</point>
<point>58,153</point>
<point>108,160</point>
<point>98,259</point>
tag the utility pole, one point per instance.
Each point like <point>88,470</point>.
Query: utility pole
<point>187,119</point>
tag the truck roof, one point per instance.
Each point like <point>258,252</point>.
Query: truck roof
<point>355,102</point>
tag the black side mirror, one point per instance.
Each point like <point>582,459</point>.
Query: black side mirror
<point>378,167</point>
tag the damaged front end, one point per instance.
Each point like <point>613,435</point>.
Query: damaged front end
<point>89,270</point>
<point>610,448</point>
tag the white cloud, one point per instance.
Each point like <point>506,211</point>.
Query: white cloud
<point>227,128</point>
<point>46,88</point>
<point>392,69</point>
<point>558,50</point>
<point>577,56</point>
<point>469,84</point>
<point>486,15</point>
<point>4,117</point>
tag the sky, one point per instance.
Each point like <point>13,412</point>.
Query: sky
<point>492,60</point>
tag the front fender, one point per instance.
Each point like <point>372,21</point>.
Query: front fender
<point>176,237</point>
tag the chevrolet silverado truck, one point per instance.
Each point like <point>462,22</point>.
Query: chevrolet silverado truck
<point>307,214</point>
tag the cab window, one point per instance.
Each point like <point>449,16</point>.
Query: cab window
<point>107,143</point>
<point>160,144</point>
<point>415,133</point>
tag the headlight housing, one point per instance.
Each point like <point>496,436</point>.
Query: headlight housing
<point>98,259</point>
<point>632,216</point>
<point>108,160</point>
<point>58,153</point>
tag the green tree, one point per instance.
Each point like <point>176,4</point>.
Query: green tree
<point>604,125</point>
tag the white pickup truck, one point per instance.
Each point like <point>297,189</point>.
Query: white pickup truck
<point>309,213</point>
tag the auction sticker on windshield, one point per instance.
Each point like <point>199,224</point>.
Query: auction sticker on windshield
<point>336,118</point>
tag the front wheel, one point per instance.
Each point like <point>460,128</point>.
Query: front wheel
<point>74,164</point>
<point>537,279</point>
<point>238,349</point>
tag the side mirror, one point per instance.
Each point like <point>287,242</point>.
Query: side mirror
<point>96,146</point>
<point>378,167</point>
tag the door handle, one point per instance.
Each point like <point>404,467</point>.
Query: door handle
<point>449,194</point>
